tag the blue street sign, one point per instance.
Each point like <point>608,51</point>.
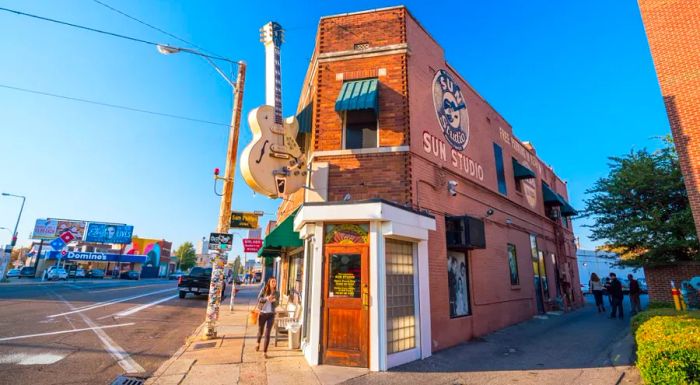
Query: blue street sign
<point>57,244</point>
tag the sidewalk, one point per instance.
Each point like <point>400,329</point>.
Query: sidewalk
<point>231,357</point>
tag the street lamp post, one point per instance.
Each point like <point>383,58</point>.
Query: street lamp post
<point>224,223</point>
<point>14,233</point>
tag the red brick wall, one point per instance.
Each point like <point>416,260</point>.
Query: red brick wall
<point>659,279</point>
<point>341,33</point>
<point>674,39</point>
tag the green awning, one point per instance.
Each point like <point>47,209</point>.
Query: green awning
<point>304,118</point>
<point>358,95</point>
<point>522,172</point>
<point>566,209</point>
<point>550,197</point>
<point>282,236</point>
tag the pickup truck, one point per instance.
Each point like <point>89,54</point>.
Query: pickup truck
<point>196,282</point>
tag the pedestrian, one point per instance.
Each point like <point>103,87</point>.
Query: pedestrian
<point>616,295</point>
<point>596,287</point>
<point>635,291</point>
<point>267,302</point>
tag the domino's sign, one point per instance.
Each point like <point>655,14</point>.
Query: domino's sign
<point>97,257</point>
<point>78,256</point>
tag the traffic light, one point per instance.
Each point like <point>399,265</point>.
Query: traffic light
<point>14,240</point>
<point>216,171</point>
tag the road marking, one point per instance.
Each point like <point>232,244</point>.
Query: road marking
<point>137,309</point>
<point>127,287</point>
<point>64,331</point>
<point>107,303</point>
<point>123,359</point>
<point>31,359</point>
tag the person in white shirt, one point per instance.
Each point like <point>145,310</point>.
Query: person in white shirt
<point>267,302</point>
<point>596,287</point>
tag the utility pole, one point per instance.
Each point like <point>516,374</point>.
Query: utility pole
<point>217,274</point>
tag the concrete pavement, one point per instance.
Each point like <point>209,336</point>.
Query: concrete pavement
<point>577,348</point>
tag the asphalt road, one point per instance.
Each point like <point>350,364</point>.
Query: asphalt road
<point>89,332</point>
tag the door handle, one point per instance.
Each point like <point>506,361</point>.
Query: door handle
<point>365,296</point>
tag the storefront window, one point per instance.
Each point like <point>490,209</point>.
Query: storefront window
<point>458,283</point>
<point>294,272</point>
<point>400,296</point>
<point>513,265</point>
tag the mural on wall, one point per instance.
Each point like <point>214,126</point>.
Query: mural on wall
<point>453,119</point>
<point>156,250</point>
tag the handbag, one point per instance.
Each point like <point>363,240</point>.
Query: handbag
<point>253,316</point>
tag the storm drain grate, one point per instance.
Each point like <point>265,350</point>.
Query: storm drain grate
<point>126,380</point>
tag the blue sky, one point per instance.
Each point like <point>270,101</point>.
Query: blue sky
<point>575,78</point>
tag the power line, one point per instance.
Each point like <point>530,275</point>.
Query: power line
<point>149,25</point>
<point>113,34</point>
<point>116,106</point>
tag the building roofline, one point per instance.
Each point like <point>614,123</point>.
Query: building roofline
<point>365,11</point>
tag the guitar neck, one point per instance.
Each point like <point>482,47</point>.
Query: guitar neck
<point>273,80</point>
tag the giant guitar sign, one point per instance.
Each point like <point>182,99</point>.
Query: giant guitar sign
<point>272,163</point>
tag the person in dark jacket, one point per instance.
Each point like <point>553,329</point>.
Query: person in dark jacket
<point>635,292</point>
<point>267,302</point>
<point>616,295</point>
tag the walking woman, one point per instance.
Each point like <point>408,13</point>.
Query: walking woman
<point>596,288</point>
<point>267,302</point>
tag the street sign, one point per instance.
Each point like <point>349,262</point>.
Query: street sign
<point>57,244</point>
<point>219,241</point>
<point>243,220</point>
<point>252,245</point>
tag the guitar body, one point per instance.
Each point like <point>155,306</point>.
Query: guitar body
<point>272,163</point>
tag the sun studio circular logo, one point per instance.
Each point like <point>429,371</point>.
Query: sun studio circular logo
<point>451,110</point>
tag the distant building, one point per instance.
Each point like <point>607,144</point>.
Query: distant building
<point>201,249</point>
<point>602,263</point>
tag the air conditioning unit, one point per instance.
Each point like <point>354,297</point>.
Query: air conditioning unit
<point>465,233</point>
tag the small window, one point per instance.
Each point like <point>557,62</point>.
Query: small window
<point>360,129</point>
<point>500,171</point>
<point>513,265</point>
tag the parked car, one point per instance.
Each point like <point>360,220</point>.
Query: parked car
<point>27,272</point>
<point>96,273</point>
<point>176,275</point>
<point>57,273</point>
<point>13,273</point>
<point>80,273</point>
<point>131,274</point>
<point>196,282</point>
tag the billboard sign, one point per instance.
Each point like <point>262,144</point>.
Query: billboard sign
<point>77,228</point>
<point>252,245</point>
<point>219,241</point>
<point>45,229</point>
<point>97,257</point>
<point>108,233</point>
<point>244,220</point>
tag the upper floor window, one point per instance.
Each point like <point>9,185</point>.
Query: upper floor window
<point>360,129</point>
<point>500,171</point>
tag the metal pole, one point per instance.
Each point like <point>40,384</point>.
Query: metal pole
<point>217,275</point>
<point>38,255</point>
<point>14,235</point>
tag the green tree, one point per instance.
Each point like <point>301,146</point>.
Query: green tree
<point>186,255</point>
<point>641,209</point>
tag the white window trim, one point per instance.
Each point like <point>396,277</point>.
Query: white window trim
<point>345,122</point>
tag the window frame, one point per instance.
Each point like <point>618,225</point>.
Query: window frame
<point>512,247</point>
<point>501,183</point>
<point>345,127</point>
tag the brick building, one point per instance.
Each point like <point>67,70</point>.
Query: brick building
<point>674,39</point>
<point>427,222</point>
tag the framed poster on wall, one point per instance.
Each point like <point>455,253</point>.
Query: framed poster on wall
<point>458,283</point>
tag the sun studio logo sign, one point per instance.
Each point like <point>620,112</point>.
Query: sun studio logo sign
<point>451,110</point>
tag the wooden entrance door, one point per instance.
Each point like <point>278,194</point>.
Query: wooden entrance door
<point>345,338</point>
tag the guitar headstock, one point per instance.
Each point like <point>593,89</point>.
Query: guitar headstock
<point>272,32</point>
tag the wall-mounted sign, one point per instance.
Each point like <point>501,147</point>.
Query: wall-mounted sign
<point>98,257</point>
<point>219,241</point>
<point>108,233</point>
<point>252,245</point>
<point>244,220</point>
<point>451,110</point>
<point>45,229</point>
